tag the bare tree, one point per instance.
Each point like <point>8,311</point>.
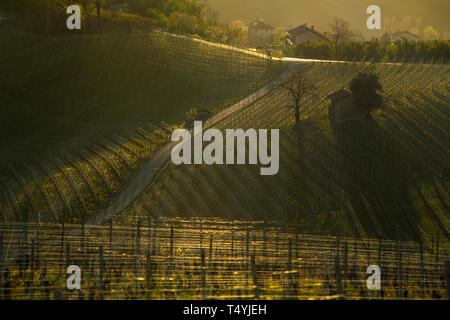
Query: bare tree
<point>98,7</point>
<point>299,88</point>
<point>340,31</point>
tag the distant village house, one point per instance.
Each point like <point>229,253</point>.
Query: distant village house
<point>259,33</point>
<point>343,108</point>
<point>404,35</point>
<point>305,33</point>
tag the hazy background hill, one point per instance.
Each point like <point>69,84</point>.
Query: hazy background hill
<point>320,13</point>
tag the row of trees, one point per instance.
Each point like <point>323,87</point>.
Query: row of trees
<point>179,16</point>
<point>343,46</point>
<point>425,32</point>
<point>37,15</point>
<point>189,17</point>
<point>376,50</point>
<point>49,16</point>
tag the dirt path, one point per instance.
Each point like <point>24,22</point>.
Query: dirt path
<point>146,174</point>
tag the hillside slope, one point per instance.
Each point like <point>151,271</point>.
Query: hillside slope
<point>387,177</point>
<point>77,113</point>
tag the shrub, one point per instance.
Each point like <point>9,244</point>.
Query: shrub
<point>126,23</point>
<point>376,50</point>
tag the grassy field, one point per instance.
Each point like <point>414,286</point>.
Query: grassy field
<point>387,177</point>
<point>78,113</point>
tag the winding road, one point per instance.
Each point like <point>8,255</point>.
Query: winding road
<point>144,176</point>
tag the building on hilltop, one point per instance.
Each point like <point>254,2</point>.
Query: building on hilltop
<point>259,33</point>
<point>343,108</point>
<point>305,33</point>
<point>399,35</point>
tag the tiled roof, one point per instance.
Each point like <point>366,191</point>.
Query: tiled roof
<point>338,95</point>
<point>400,33</point>
<point>303,28</point>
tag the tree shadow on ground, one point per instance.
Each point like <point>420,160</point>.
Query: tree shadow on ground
<point>377,177</point>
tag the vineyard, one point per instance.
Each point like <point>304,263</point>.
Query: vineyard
<point>384,179</point>
<point>212,259</point>
<point>78,114</point>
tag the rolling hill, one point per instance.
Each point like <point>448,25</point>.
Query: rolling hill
<point>384,177</point>
<point>78,112</point>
